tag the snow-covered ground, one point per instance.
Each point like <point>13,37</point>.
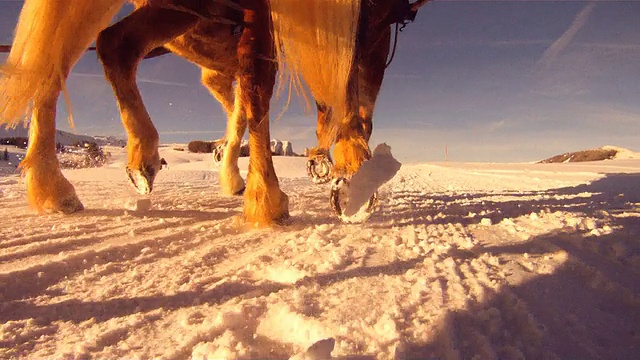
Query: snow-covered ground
<point>462,261</point>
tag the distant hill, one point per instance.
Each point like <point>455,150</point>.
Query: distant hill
<point>64,137</point>
<point>603,153</point>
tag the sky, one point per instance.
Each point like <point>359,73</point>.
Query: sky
<point>495,81</point>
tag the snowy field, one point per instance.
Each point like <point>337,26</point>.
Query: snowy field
<point>462,261</point>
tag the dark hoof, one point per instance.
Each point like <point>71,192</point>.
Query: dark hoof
<point>142,179</point>
<point>239,192</point>
<point>319,169</point>
<point>339,198</point>
<point>71,205</point>
<point>218,154</point>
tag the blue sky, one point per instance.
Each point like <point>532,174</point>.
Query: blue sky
<point>490,80</point>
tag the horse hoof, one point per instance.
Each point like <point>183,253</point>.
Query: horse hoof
<point>319,169</point>
<point>71,205</point>
<point>240,192</point>
<point>142,179</point>
<point>218,154</point>
<point>339,198</point>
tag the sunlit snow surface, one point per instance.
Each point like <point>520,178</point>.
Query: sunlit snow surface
<point>461,261</point>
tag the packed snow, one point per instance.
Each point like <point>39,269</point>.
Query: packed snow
<point>461,261</point>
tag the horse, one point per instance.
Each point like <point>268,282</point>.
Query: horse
<point>210,43</point>
<point>209,40</point>
<point>309,43</point>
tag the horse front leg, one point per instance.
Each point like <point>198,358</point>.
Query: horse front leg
<point>264,201</point>
<point>121,47</point>
<point>352,146</point>
<point>353,133</point>
<point>352,139</point>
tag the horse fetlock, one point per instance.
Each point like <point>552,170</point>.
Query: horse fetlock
<point>143,164</point>
<point>319,152</point>
<point>231,183</point>
<point>349,156</point>
<point>218,153</point>
<point>263,208</point>
<point>51,194</point>
<point>70,205</point>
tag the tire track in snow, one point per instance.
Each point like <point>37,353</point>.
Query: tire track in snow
<point>30,281</point>
<point>448,268</point>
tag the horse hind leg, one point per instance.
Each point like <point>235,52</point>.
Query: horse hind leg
<point>221,87</point>
<point>120,48</point>
<point>47,189</point>
<point>213,47</point>
<point>56,36</point>
<point>264,202</point>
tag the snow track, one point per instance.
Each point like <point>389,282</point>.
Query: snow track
<point>484,261</point>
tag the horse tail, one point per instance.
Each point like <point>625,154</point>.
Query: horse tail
<point>315,45</point>
<point>49,38</point>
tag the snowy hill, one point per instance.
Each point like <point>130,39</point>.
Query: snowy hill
<point>603,153</point>
<point>63,137</point>
<point>462,260</point>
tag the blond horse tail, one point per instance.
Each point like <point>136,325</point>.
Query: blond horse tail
<point>315,45</point>
<point>49,38</point>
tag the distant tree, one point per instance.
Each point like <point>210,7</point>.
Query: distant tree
<point>93,149</point>
<point>20,142</point>
<point>94,155</point>
<point>5,155</point>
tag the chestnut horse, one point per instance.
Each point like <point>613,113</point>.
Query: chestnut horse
<point>309,42</point>
<point>211,43</point>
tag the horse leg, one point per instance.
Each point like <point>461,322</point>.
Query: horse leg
<point>353,134</point>
<point>264,201</point>
<point>50,38</point>
<point>213,47</point>
<point>120,48</point>
<point>221,87</point>
<point>47,188</point>
<point>352,138</point>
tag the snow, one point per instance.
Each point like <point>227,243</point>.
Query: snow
<point>381,168</point>
<point>461,261</point>
<point>622,153</point>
